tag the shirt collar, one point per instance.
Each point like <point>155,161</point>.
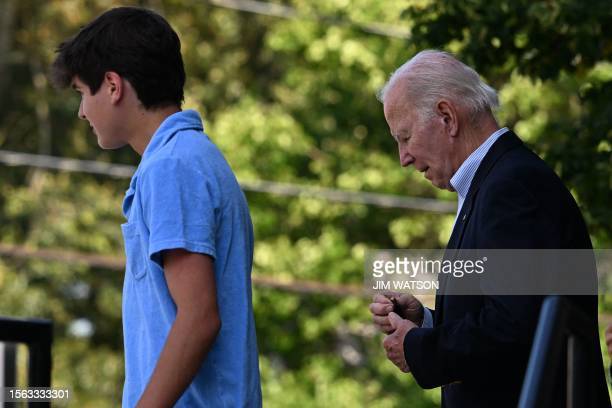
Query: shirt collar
<point>187,119</point>
<point>462,179</point>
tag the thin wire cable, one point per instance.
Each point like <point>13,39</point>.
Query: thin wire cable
<point>64,164</point>
<point>117,263</point>
<point>261,186</point>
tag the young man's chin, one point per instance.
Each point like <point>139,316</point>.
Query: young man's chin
<point>105,145</point>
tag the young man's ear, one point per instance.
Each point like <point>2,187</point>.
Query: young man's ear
<point>115,86</point>
<point>448,114</point>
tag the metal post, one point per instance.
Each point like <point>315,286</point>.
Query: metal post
<point>8,369</point>
<point>37,334</point>
<point>8,366</point>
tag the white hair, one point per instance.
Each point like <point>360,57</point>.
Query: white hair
<point>432,75</point>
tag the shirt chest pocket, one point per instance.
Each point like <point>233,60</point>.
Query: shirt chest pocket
<point>136,260</point>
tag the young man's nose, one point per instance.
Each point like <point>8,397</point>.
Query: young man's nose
<point>81,114</point>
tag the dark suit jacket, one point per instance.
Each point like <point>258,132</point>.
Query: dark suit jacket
<point>479,346</point>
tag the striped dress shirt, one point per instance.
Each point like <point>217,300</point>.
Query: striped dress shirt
<point>462,178</point>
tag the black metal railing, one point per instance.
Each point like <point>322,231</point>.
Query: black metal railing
<point>561,345</point>
<point>37,335</point>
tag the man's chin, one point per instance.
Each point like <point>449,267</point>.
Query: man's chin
<point>442,184</point>
<point>105,145</point>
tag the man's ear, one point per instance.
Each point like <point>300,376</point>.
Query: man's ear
<point>448,115</point>
<point>115,86</point>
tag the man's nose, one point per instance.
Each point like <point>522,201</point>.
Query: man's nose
<point>406,159</point>
<point>81,114</point>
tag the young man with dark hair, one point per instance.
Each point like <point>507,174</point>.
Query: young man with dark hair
<point>188,326</point>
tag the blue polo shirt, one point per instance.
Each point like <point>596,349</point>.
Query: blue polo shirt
<point>184,195</point>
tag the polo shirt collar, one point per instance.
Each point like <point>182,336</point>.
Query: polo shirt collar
<point>183,120</point>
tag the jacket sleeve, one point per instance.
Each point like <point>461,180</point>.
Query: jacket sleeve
<point>474,347</point>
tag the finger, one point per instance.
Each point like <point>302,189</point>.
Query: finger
<point>381,298</point>
<point>389,343</point>
<point>393,297</point>
<point>410,304</point>
<point>399,364</point>
<point>384,328</point>
<point>381,309</point>
<point>395,320</point>
<point>386,345</point>
<point>394,356</point>
<point>381,320</point>
<point>398,360</point>
<point>407,299</point>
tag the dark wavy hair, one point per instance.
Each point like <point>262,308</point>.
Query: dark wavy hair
<point>136,43</point>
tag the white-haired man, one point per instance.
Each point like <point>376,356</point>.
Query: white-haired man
<point>476,347</point>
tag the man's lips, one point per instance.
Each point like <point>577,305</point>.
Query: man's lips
<point>424,170</point>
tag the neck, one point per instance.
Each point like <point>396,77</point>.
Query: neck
<point>475,135</point>
<point>145,123</point>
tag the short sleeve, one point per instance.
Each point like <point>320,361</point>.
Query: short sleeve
<point>179,208</point>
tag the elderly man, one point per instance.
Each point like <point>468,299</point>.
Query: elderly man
<point>475,347</point>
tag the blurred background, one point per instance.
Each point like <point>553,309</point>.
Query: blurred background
<point>287,90</point>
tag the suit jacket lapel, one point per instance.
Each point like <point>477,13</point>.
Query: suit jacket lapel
<point>506,142</point>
